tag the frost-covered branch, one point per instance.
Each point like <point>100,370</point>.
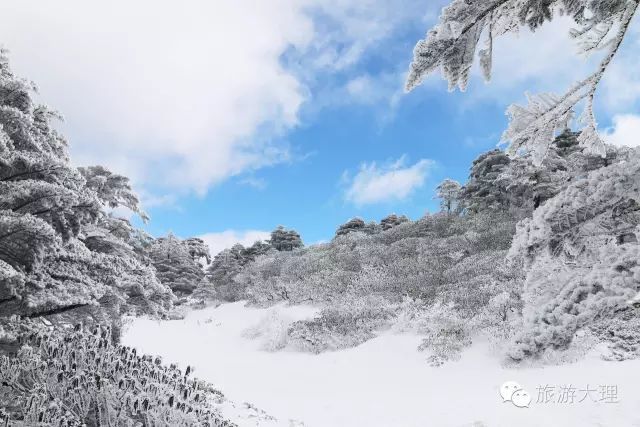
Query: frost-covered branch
<point>451,46</point>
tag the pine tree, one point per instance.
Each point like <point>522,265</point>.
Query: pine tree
<point>481,192</point>
<point>60,251</point>
<point>222,271</point>
<point>285,240</point>
<point>177,262</point>
<point>392,220</point>
<point>357,225</point>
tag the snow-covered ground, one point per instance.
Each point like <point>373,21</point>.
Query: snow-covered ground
<point>384,382</point>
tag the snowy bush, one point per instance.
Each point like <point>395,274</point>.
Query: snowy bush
<point>340,327</point>
<point>447,333</point>
<point>78,377</point>
<point>272,331</point>
<point>621,333</point>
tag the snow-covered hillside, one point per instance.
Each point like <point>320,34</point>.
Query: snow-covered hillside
<point>384,382</point>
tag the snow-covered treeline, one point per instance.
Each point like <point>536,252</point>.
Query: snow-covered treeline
<point>563,271</point>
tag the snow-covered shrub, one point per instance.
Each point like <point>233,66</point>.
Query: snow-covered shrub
<point>78,377</point>
<point>355,277</point>
<point>272,330</point>
<point>339,327</point>
<point>447,333</point>
<point>621,333</point>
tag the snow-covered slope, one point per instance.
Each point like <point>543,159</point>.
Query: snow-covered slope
<point>384,382</point>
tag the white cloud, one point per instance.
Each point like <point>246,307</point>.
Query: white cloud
<point>169,92</point>
<point>183,95</point>
<point>392,182</point>
<point>625,131</point>
<point>219,241</point>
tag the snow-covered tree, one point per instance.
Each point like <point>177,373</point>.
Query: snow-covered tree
<point>112,189</point>
<point>519,186</point>
<point>580,252</point>
<point>357,225</point>
<point>481,193</point>
<point>285,240</point>
<point>177,262</point>
<point>465,24</point>
<point>354,224</point>
<point>222,271</point>
<point>226,265</point>
<point>134,276</point>
<point>392,220</point>
<point>60,251</point>
<point>198,249</point>
<point>258,248</point>
<point>448,191</point>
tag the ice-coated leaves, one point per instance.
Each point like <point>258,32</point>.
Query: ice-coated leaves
<point>451,45</point>
<point>533,127</point>
<point>589,137</point>
<point>581,253</point>
<point>112,189</point>
<point>81,377</point>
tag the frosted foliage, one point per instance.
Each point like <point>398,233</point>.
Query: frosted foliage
<point>518,185</point>
<point>112,189</point>
<point>79,377</point>
<point>531,129</point>
<point>581,253</point>
<point>362,279</point>
<point>176,263</point>
<point>391,221</point>
<point>225,266</point>
<point>285,240</point>
<point>59,249</point>
<point>451,46</point>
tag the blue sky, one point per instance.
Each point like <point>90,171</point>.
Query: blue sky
<point>231,123</point>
